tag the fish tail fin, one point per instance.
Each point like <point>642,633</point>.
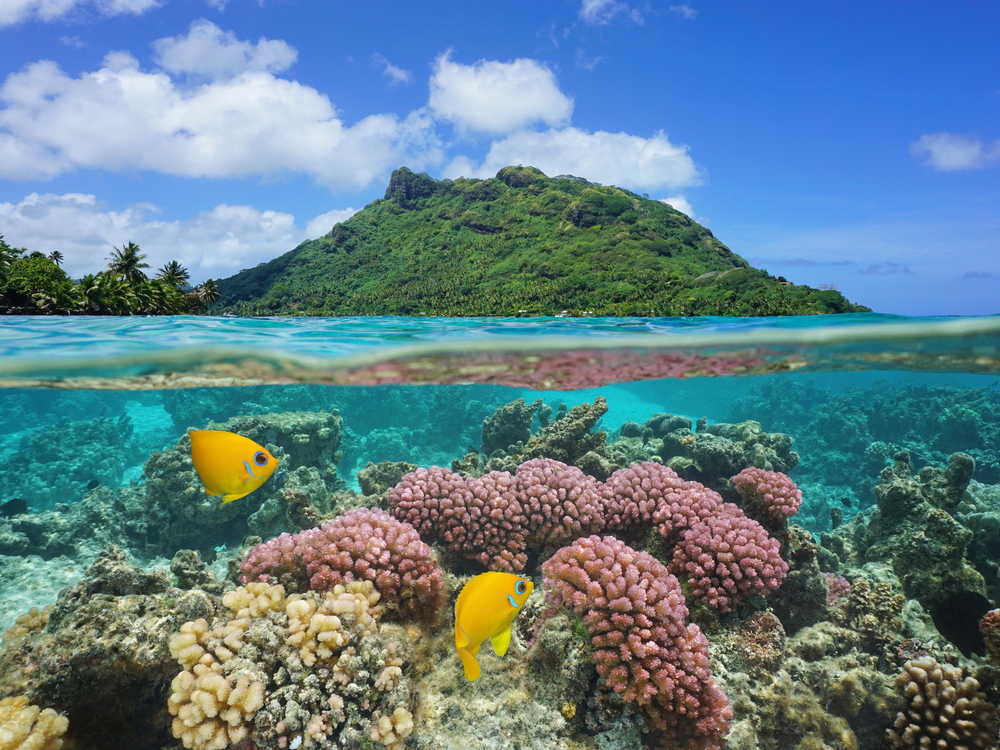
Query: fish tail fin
<point>470,664</point>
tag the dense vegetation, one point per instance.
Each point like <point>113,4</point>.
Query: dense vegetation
<point>35,284</point>
<point>517,244</point>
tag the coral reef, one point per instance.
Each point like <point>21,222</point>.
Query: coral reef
<point>26,727</point>
<point>913,530</point>
<point>361,545</point>
<point>713,453</point>
<point>509,425</point>
<point>56,463</point>
<point>945,709</point>
<point>101,658</point>
<point>644,649</point>
<point>285,671</point>
<point>182,514</point>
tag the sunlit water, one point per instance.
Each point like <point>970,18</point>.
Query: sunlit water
<point>85,402</point>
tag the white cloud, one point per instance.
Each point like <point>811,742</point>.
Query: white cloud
<point>215,243</point>
<point>601,12</point>
<point>324,222</point>
<point>684,11</point>
<point>15,11</point>
<point>948,152</point>
<point>680,203</point>
<point>121,117</point>
<point>497,97</point>
<point>210,52</point>
<point>390,71</point>
<point>609,158</point>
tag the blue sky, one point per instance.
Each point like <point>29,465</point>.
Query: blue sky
<point>853,144</point>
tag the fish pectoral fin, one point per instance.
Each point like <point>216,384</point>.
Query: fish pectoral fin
<point>230,498</point>
<point>501,641</point>
<point>470,664</point>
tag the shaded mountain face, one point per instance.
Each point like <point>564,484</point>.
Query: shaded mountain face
<point>520,243</point>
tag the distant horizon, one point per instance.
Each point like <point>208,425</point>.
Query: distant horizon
<point>223,133</point>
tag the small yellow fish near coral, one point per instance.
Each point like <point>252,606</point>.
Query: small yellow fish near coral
<point>485,609</point>
<point>229,464</point>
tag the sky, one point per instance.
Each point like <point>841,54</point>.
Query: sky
<point>846,144</point>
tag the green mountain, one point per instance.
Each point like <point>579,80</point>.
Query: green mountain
<point>517,244</point>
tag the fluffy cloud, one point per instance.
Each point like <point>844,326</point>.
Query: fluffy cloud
<point>684,11</point>
<point>14,11</point>
<point>609,158</point>
<point>497,97</point>
<point>948,152</point>
<point>215,243</point>
<point>246,121</point>
<point>680,203</point>
<point>210,52</point>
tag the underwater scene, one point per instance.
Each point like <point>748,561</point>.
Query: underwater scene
<point>600,534</point>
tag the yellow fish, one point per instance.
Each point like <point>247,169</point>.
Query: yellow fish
<point>229,464</point>
<point>485,609</point>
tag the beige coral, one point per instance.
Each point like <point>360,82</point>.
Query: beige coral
<point>212,710</point>
<point>26,727</point>
<point>34,619</point>
<point>946,711</point>
<point>391,730</point>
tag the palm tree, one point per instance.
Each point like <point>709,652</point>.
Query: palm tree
<point>208,291</point>
<point>127,263</point>
<point>174,273</point>
<point>56,257</point>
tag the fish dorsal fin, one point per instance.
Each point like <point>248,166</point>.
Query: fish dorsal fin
<point>501,641</point>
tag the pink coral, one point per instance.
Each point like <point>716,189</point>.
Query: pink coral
<point>768,495</point>
<point>637,493</point>
<point>837,588</point>
<point>497,518</point>
<point>434,501</point>
<point>364,544</point>
<point>989,626</point>
<point>560,501</point>
<point>644,649</point>
<point>727,558</point>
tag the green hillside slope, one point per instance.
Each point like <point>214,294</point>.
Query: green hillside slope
<point>517,244</point>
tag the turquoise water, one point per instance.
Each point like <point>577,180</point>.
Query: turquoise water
<point>94,413</point>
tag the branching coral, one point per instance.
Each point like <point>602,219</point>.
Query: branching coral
<point>768,495</point>
<point>26,727</point>
<point>727,558</point>
<point>946,711</point>
<point>644,649</point>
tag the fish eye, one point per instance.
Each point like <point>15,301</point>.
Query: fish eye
<point>260,458</point>
<point>520,587</point>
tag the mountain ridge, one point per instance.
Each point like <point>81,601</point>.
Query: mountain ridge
<point>520,243</point>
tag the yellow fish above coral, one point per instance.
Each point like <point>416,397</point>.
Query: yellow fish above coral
<point>229,464</point>
<point>485,609</point>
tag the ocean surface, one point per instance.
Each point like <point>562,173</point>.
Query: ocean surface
<point>850,408</point>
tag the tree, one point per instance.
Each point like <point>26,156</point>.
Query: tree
<point>30,279</point>
<point>56,257</point>
<point>208,291</point>
<point>127,263</point>
<point>174,273</point>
